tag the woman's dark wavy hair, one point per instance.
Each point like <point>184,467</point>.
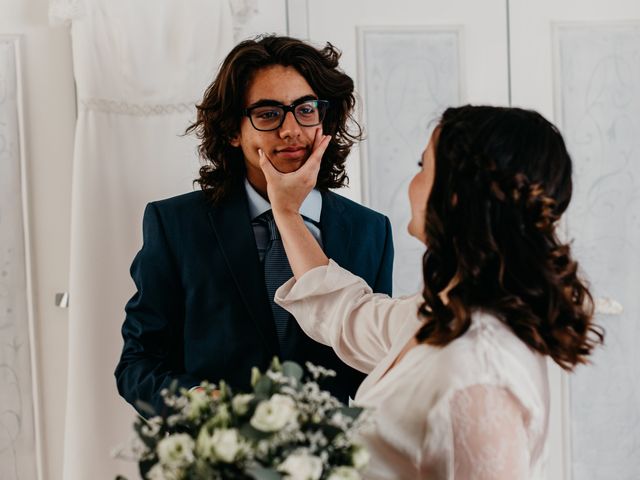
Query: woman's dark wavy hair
<point>219,114</point>
<point>502,181</point>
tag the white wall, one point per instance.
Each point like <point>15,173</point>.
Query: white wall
<point>49,108</point>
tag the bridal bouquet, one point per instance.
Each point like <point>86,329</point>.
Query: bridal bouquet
<point>286,428</point>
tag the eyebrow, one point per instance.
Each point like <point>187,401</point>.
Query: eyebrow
<point>267,102</point>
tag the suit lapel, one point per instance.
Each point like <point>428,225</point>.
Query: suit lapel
<point>232,227</point>
<point>336,229</point>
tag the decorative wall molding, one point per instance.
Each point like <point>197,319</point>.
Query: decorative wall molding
<point>20,443</point>
<point>597,94</point>
<point>408,77</point>
<point>135,109</point>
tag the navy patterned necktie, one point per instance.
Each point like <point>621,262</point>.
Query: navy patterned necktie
<point>276,272</point>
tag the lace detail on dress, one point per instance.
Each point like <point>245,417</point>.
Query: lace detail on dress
<point>489,435</point>
<point>139,110</point>
<point>62,12</point>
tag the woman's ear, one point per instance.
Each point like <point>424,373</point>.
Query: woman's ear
<point>234,141</point>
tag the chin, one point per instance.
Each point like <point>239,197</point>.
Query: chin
<point>288,167</point>
<point>418,235</point>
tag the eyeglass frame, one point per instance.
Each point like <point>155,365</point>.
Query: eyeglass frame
<point>286,108</point>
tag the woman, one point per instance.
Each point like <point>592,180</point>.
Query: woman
<point>457,376</point>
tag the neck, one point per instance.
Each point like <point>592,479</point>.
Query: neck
<point>258,182</point>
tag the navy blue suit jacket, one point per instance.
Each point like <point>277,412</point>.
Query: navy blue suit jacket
<point>201,309</point>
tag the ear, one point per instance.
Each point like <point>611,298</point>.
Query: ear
<point>235,141</point>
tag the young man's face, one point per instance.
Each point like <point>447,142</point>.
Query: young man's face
<point>289,146</point>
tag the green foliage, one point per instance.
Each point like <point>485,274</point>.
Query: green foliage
<point>212,433</point>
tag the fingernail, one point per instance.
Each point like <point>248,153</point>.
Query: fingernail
<point>260,152</point>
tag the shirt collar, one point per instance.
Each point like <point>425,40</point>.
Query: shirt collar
<point>310,208</point>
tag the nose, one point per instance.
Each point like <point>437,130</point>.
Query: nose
<point>290,127</point>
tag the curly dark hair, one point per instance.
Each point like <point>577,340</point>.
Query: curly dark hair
<point>502,181</point>
<point>219,113</point>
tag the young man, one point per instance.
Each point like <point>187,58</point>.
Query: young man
<point>212,259</point>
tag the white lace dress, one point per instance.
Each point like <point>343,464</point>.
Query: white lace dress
<point>475,409</point>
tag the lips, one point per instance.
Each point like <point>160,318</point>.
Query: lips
<point>290,149</point>
<point>291,153</point>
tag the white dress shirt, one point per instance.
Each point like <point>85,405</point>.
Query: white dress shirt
<point>310,210</point>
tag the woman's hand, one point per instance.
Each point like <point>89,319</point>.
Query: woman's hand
<point>287,191</point>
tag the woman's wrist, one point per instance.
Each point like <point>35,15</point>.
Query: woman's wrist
<point>285,213</point>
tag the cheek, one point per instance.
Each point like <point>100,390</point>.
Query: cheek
<point>309,134</point>
<point>418,192</point>
<point>250,141</point>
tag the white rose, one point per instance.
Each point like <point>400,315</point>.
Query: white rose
<point>301,465</point>
<point>344,473</point>
<point>360,457</point>
<point>273,414</point>
<point>227,444</point>
<point>240,403</point>
<point>176,451</point>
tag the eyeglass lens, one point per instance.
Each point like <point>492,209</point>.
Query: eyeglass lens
<point>308,114</point>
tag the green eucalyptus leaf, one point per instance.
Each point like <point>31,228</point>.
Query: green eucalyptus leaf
<point>145,408</point>
<point>292,370</point>
<point>330,431</point>
<point>261,473</point>
<point>253,434</point>
<point>263,386</point>
<point>353,412</point>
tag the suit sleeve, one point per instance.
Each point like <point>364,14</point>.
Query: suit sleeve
<point>153,327</point>
<point>384,278</point>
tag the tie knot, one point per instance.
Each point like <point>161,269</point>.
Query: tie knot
<point>270,222</point>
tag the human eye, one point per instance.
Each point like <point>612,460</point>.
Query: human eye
<point>266,113</point>
<point>307,109</point>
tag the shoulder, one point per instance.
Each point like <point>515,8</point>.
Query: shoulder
<point>490,354</point>
<point>490,350</point>
<point>178,211</point>
<point>356,212</point>
<point>186,200</point>
<point>185,205</point>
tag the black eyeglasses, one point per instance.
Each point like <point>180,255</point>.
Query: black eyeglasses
<point>308,113</point>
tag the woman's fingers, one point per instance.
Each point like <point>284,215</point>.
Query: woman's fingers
<point>320,144</point>
<point>267,167</point>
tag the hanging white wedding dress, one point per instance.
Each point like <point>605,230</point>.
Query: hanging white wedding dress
<point>139,67</point>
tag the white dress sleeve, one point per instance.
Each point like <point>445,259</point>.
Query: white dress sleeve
<point>489,435</point>
<point>337,308</point>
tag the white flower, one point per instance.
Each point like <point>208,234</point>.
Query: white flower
<point>159,473</point>
<point>300,465</point>
<point>199,401</point>
<point>344,473</point>
<point>360,457</point>
<point>224,445</point>
<point>240,403</point>
<point>273,414</point>
<point>176,451</point>
<point>222,416</point>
